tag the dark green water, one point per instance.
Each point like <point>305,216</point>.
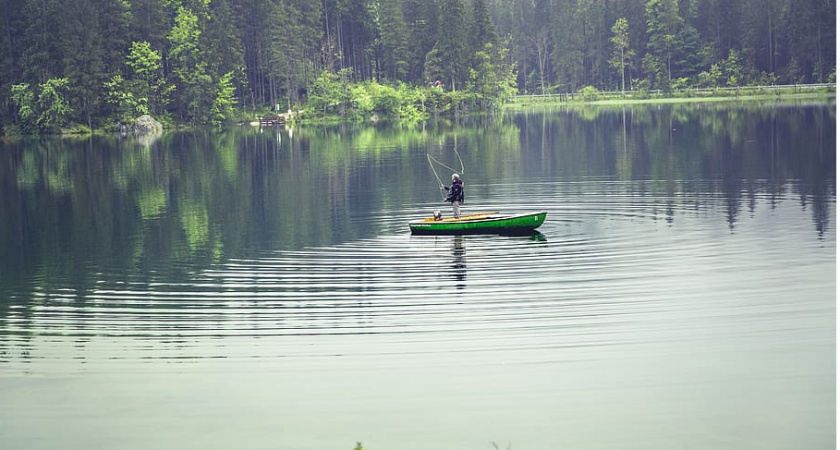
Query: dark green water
<point>260,289</point>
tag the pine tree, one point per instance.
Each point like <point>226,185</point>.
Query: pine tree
<point>567,51</point>
<point>306,32</point>
<point>150,22</point>
<point>663,25</point>
<point>451,45</point>
<point>482,29</point>
<point>11,48</point>
<point>224,41</point>
<point>421,17</point>
<point>392,38</point>
<point>41,58</point>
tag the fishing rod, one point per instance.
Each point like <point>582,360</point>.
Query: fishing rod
<point>440,182</point>
<point>432,159</point>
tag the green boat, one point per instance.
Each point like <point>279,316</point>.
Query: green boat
<point>481,223</point>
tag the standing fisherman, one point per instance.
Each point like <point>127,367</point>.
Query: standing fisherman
<point>456,195</point>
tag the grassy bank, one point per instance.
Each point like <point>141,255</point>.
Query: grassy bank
<point>821,93</point>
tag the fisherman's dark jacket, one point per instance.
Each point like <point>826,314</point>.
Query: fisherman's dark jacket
<point>456,192</point>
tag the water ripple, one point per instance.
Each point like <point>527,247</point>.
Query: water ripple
<point>605,271</point>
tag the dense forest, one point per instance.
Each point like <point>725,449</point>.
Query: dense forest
<point>99,62</point>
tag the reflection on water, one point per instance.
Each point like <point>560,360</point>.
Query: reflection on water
<point>459,261</point>
<point>683,281</point>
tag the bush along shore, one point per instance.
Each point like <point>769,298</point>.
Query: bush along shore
<point>334,99</point>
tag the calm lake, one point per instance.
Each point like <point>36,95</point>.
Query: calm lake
<point>260,289</point>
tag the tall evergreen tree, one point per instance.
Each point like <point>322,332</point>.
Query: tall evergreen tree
<point>224,40</point>
<point>392,40</point>
<point>150,22</point>
<point>567,53</point>
<point>260,25</point>
<point>522,44</point>
<point>663,25</point>
<point>41,58</point>
<point>305,35</point>
<point>545,41</point>
<point>12,36</point>
<point>452,45</point>
<point>351,25</point>
<point>83,56</point>
<point>721,27</point>
<point>421,17</point>
<point>810,28</point>
<point>482,31</point>
<point>596,32</point>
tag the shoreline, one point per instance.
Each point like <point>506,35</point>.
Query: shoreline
<point>821,94</point>
<point>569,101</point>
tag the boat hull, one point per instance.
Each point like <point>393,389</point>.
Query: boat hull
<point>487,223</point>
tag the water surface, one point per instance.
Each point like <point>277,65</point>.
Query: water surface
<point>260,289</point>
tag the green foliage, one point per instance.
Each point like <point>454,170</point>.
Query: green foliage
<point>681,84</point>
<point>53,105</point>
<point>45,110</point>
<point>221,110</point>
<point>386,101</point>
<point>491,83</point>
<point>532,83</point>
<point>127,105</point>
<point>79,129</point>
<point>330,93</point>
<point>663,24</point>
<point>733,69</point>
<point>196,87</point>
<point>433,66</point>
<point>144,61</point>
<point>333,97</point>
<point>623,55</point>
<point>146,79</point>
<point>12,131</point>
<point>24,99</point>
<point>483,77</point>
<point>657,71</point>
<point>589,93</point>
<point>414,102</point>
<point>711,77</point>
<point>642,89</point>
<point>362,100</point>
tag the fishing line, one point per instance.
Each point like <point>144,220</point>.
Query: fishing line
<point>432,159</point>
<point>440,182</point>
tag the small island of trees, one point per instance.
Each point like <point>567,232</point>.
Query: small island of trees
<point>93,64</point>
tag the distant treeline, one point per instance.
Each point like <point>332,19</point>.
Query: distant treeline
<point>99,62</point>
